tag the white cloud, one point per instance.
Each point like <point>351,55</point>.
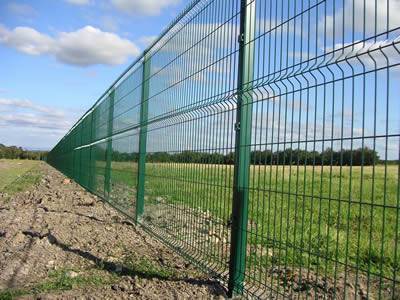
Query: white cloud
<point>26,40</point>
<point>28,124</point>
<point>143,7</point>
<point>147,40</point>
<point>384,9</point>
<point>23,113</point>
<point>79,2</point>
<point>32,121</point>
<point>89,46</point>
<point>27,104</point>
<point>84,47</point>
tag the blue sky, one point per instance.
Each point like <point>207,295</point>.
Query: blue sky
<point>58,56</point>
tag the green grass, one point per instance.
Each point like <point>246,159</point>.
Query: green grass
<point>10,170</point>
<point>58,280</point>
<point>311,217</point>
<point>18,175</point>
<point>145,268</point>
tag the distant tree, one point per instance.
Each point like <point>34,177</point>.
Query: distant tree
<point>229,159</point>
<point>289,156</point>
<point>13,152</point>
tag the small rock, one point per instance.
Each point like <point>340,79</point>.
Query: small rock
<point>124,287</point>
<point>43,242</point>
<point>87,202</point>
<point>50,264</point>
<point>72,274</point>
<point>112,259</point>
<point>24,270</point>
<point>18,239</point>
<point>66,181</point>
<point>160,199</point>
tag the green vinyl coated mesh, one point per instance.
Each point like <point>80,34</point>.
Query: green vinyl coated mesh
<point>261,140</point>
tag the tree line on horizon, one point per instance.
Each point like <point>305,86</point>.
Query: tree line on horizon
<point>346,157</point>
<point>14,152</point>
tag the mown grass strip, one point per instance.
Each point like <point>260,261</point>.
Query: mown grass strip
<point>11,170</point>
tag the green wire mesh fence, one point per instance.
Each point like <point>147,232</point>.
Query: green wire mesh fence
<point>261,140</point>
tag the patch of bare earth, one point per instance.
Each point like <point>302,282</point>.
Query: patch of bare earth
<point>59,226</point>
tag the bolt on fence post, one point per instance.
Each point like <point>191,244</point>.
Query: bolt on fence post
<point>237,264</point>
<point>143,137</point>
<point>107,177</point>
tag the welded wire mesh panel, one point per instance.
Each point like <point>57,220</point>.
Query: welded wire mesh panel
<point>324,174</point>
<point>124,171</point>
<point>127,100</point>
<point>260,139</point>
<point>85,167</point>
<point>100,152</point>
<point>124,146</point>
<point>192,112</point>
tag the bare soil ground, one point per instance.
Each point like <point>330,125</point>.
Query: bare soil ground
<point>57,241</point>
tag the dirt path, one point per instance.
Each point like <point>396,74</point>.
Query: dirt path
<point>59,242</point>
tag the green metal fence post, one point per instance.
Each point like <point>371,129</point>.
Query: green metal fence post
<point>107,177</point>
<point>143,137</point>
<point>243,125</point>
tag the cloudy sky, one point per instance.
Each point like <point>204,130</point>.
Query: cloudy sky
<point>58,56</point>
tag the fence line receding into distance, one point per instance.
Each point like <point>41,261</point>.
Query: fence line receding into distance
<point>260,139</point>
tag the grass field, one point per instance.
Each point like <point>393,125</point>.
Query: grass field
<point>12,175</point>
<point>320,218</point>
